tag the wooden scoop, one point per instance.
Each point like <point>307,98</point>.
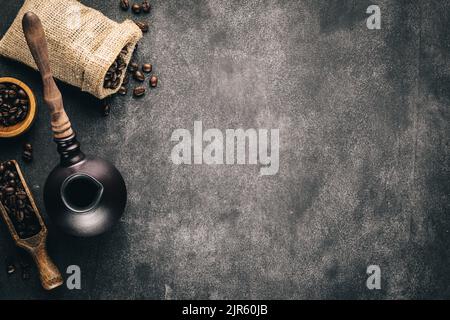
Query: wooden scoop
<point>35,245</point>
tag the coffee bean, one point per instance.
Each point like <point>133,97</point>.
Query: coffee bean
<point>136,8</point>
<point>28,147</point>
<point>146,7</point>
<point>12,94</point>
<point>124,4</point>
<point>139,76</point>
<point>142,25</point>
<point>147,67</point>
<point>153,81</point>
<point>133,66</point>
<point>139,91</point>
<point>20,216</point>
<point>22,94</point>
<point>27,156</point>
<point>106,110</point>
<point>123,90</point>
<point>10,269</point>
<point>126,79</point>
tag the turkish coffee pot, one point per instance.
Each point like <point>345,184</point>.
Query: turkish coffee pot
<point>83,195</point>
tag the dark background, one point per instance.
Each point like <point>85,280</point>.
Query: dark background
<point>364,156</point>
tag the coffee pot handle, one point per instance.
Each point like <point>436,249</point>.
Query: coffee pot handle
<point>35,36</point>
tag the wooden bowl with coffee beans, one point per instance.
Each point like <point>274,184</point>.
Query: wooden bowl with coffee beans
<point>17,107</point>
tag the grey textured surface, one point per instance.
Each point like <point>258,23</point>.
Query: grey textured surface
<point>364,156</point>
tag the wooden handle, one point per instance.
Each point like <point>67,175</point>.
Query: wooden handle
<point>48,272</point>
<point>35,36</point>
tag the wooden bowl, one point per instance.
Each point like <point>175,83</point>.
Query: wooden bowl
<point>20,128</point>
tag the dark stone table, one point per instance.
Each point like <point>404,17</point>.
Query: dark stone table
<point>364,156</point>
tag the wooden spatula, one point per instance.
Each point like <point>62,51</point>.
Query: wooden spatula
<point>36,245</point>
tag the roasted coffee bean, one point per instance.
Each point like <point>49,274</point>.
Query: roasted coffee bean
<point>123,90</point>
<point>146,7</point>
<point>22,94</point>
<point>153,81</point>
<point>133,66</point>
<point>28,146</point>
<point>12,102</point>
<point>12,94</point>
<point>21,195</point>
<point>126,79</point>
<point>10,269</point>
<point>139,91</point>
<point>142,25</point>
<point>136,8</point>
<point>124,4</point>
<point>20,216</point>
<point>139,76</point>
<point>106,110</point>
<point>147,67</point>
<point>27,156</point>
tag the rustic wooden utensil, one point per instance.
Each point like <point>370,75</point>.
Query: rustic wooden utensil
<point>35,245</point>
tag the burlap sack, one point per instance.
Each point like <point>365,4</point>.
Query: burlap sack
<point>82,42</point>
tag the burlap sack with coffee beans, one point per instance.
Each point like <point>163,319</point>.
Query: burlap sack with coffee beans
<point>82,42</point>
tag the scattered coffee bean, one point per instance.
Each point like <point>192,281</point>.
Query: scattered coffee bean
<point>139,91</point>
<point>147,67</point>
<point>124,4</point>
<point>16,203</point>
<point>139,76</point>
<point>10,269</point>
<point>28,146</point>
<point>133,66</point>
<point>27,154</point>
<point>146,6</point>
<point>136,8</point>
<point>142,25</point>
<point>106,109</point>
<point>14,105</point>
<point>153,81</point>
<point>123,90</point>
